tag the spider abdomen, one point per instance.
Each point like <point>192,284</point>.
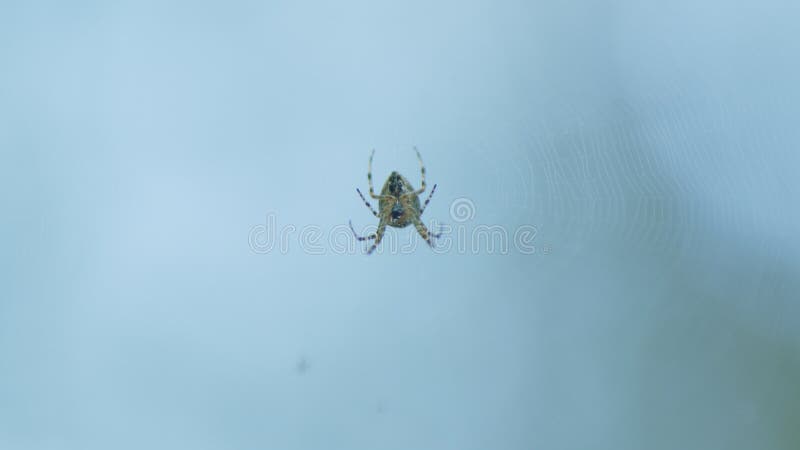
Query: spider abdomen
<point>401,211</point>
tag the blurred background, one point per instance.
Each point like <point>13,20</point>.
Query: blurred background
<point>147,149</point>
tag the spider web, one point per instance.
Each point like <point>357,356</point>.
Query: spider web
<point>695,180</point>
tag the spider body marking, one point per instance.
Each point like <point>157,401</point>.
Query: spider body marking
<point>399,198</point>
<point>398,205</point>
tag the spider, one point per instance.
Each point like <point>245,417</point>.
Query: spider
<point>398,205</point>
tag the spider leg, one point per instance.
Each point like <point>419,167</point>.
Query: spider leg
<point>423,231</point>
<point>361,238</point>
<point>369,177</point>
<point>437,235</point>
<point>367,203</point>
<point>422,169</point>
<point>424,205</point>
<point>378,236</point>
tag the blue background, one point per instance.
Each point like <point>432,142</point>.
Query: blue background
<point>652,145</point>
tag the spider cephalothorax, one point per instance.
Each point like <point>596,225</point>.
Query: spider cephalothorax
<point>398,204</point>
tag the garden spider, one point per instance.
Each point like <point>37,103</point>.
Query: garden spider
<point>398,205</point>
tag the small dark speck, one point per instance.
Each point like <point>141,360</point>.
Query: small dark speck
<point>302,366</point>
